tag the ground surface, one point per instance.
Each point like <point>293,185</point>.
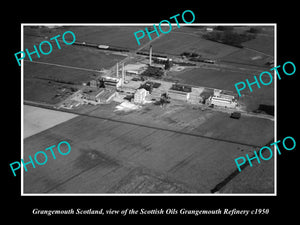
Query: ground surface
<point>175,149</point>
<point>118,154</point>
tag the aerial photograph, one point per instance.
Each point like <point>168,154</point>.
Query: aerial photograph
<point>158,117</point>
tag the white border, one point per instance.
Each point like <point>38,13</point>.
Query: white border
<point>150,24</point>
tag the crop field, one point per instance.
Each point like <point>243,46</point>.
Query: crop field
<point>121,36</point>
<point>213,78</point>
<point>123,155</point>
<point>52,72</point>
<point>44,92</point>
<point>247,57</point>
<point>262,43</point>
<point>76,56</point>
<point>38,119</point>
<point>208,123</point>
<point>176,43</point>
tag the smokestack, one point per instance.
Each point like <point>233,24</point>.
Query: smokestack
<point>123,74</point>
<point>117,70</point>
<point>150,55</point>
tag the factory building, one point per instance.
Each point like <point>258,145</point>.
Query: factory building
<point>180,92</point>
<point>94,83</point>
<point>112,81</point>
<point>140,96</point>
<point>222,100</point>
<point>179,95</point>
<point>98,97</point>
<point>195,97</point>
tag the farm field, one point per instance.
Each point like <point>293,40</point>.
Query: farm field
<point>121,36</point>
<point>47,72</point>
<point>187,119</point>
<point>248,58</point>
<point>212,78</point>
<point>262,43</point>
<point>252,177</point>
<point>42,91</point>
<point>73,55</point>
<point>126,156</point>
<point>38,119</point>
<point>177,42</point>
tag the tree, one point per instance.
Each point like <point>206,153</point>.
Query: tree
<point>254,30</point>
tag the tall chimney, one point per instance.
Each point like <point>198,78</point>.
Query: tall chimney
<point>117,70</point>
<point>150,55</point>
<point>123,74</point>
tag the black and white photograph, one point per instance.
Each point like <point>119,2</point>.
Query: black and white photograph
<point>178,112</point>
<point>162,117</point>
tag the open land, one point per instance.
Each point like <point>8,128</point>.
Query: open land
<point>110,155</point>
<point>38,119</point>
<point>179,148</point>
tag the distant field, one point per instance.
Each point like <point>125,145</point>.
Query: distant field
<point>52,72</point>
<point>38,119</point>
<point>262,43</point>
<point>44,92</point>
<point>247,57</point>
<point>76,56</point>
<point>212,78</point>
<point>136,155</point>
<point>179,42</point>
<point>108,35</point>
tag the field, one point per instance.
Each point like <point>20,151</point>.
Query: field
<point>74,55</point>
<point>37,119</point>
<point>176,43</point>
<point>124,155</point>
<point>246,57</point>
<point>122,36</point>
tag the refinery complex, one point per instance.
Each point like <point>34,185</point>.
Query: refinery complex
<point>162,117</point>
<point>131,83</point>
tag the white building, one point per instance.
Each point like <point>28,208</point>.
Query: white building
<point>222,100</point>
<point>112,81</point>
<point>140,96</point>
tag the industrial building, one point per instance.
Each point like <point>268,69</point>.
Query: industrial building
<point>112,81</point>
<point>179,95</point>
<point>98,97</point>
<point>140,96</point>
<point>180,92</point>
<point>94,83</point>
<point>222,100</point>
<point>195,97</point>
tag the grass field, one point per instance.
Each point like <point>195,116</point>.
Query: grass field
<point>73,55</point>
<point>121,36</point>
<point>213,78</point>
<point>157,152</point>
<point>247,57</point>
<point>176,43</point>
<point>38,119</point>
<point>44,92</point>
